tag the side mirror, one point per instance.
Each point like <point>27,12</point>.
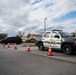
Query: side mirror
<point>56,36</point>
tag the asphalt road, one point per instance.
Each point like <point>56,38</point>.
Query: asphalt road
<point>20,62</point>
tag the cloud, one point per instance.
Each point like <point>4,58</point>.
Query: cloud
<point>28,15</point>
<point>13,14</point>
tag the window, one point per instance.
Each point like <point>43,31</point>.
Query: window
<point>47,35</point>
<point>65,34</point>
<point>54,34</point>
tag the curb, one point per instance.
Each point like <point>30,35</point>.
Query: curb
<point>53,57</point>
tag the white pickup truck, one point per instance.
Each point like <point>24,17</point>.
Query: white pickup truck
<point>58,40</point>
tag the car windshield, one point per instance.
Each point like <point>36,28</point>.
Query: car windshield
<point>65,34</point>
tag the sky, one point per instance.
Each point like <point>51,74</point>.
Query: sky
<point>28,16</point>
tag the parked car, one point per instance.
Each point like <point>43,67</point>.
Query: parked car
<point>16,40</point>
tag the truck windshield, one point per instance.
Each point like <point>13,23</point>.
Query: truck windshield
<point>65,34</point>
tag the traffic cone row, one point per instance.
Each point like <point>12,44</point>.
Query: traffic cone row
<point>29,50</point>
<point>15,47</point>
<point>8,46</point>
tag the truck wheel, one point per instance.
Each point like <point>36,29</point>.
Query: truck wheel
<point>41,47</point>
<point>67,49</point>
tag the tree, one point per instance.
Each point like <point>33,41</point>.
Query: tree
<point>28,35</point>
<point>3,35</point>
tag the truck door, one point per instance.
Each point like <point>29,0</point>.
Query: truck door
<point>55,40</point>
<point>46,39</point>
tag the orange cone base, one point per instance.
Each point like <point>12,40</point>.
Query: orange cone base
<point>15,47</point>
<point>8,46</point>
<point>50,54</point>
<point>28,50</point>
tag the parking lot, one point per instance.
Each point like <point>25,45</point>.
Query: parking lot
<point>20,62</point>
<point>34,50</point>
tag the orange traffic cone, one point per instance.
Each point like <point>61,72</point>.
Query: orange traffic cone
<point>28,48</point>
<point>15,47</point>
<point>8,46</point>
<point>49,52</point>
<point>3,44</point>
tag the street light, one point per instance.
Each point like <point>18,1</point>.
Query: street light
<point>45,24</point>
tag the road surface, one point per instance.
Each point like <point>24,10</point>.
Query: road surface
<point>20,62</point>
